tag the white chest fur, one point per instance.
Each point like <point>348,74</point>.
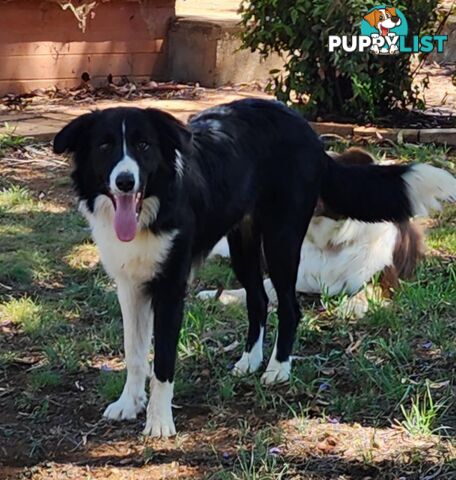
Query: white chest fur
<point>137,261</point>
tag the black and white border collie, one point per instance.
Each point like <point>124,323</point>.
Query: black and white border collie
<point>159,195</point>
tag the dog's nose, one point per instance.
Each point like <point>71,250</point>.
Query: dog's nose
<point>125,182</point>
<point>395,19</point>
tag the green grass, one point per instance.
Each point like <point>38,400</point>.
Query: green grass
<point>257,462</point>
<point>7,358</point>
<point>422,415</point>
<point>395,366</point>
<point>14,198</point>
<point>217,273</point>
<point>9,140</point>
<point>29,315</point>
<point>44,378</point>
<point>110,384</point>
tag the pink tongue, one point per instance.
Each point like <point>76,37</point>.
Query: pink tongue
<point>125,217</point>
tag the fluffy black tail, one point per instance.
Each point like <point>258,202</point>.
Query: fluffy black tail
<point>374,193</point>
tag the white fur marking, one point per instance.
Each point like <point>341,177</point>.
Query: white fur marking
<point>137,261</point>
<point>126,165</point>
<point>221,248</point>
<point>137,323</point>
<point>276,372</point>
<point>427,186</point>
<point>250,361</point>
<point>127,406</point>
<point>149,212</point>
<point>159,413</point>
<point>179,164</point>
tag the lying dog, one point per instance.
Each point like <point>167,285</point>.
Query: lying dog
<point>159,195</point>
<point>341,255</point>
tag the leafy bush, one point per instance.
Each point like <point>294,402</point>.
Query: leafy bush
<point>360,85</point>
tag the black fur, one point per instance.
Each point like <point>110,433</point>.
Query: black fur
<point>253,169</point>
<point>371,193</point>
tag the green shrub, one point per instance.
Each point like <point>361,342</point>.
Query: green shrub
<point>359,85</point>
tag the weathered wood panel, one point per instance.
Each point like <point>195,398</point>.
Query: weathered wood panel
<point>42,45</point>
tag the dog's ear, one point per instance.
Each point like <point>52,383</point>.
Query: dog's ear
<point>173,134</point>
<point>391,11</point>
<point>70,136</point>
<point>372,18</point>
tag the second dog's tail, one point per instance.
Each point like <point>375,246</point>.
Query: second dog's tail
<point>373,193</point>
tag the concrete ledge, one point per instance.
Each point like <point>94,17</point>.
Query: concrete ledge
<point>208,51</point>
<point>44,126</point>
<point>342,129</point>
<point>439,136</point>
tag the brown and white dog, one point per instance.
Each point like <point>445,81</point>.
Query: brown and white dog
<point>341,255</point>
<point>383,20</point>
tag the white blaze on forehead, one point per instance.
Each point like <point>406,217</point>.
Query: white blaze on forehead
<point>127,164</point>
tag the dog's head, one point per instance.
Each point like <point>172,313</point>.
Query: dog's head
<point>383,19</point>
<point>127,154</point>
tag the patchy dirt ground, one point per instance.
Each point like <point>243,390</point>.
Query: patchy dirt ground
<point>369,399</point>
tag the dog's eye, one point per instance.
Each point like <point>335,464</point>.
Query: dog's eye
<point>381,17</point>
<point>142,146</point>
<point>105,147</point>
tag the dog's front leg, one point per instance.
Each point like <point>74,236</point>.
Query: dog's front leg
<point>168,292</point>
<point>137,323</point>
<point>167,322</point>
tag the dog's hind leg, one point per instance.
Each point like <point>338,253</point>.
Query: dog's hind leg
<point>282,247</point>
<point>138,323</point>
<point>245,252</point>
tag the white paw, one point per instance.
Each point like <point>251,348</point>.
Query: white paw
<point>206,294</point>
<point>159,426</point>
<point>276,372</point>
<point>354,308</point>
<point>227,297</point>
<point>159,413</point>
<point>233,297</point>
<point>248,363</point>
<point>126,408</point>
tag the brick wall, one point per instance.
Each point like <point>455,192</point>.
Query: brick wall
<point>43,45</point>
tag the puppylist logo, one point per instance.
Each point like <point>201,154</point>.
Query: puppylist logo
<point>384,31</point>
